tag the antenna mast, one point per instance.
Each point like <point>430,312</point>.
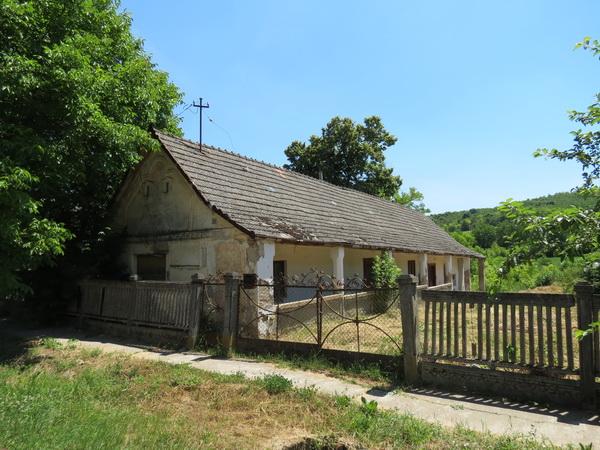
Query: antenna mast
<point>201,106</point>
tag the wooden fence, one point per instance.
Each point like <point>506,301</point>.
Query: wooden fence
<point>168,308</point>
<point>516,345</point>
<point>510,344</point>
<point>528,330</point>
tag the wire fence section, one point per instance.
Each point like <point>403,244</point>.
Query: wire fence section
<point>365,320</point>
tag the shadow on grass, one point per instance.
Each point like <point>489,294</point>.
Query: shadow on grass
<point>12,347</point>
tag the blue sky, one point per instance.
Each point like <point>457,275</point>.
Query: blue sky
<point>470,88</point>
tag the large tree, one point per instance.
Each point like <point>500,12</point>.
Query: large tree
<point>349,154</point>
<point>78,96</point>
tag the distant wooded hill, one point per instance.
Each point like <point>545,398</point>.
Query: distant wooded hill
<point>488,225</point>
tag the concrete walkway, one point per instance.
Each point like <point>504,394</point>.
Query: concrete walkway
<point>558,426</point>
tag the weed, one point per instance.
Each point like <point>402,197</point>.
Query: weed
<point>342,401</point>
<point>368,407</point>
<point>275,384</point>
<point>308,393</point>
<point>50,343</point>
<point>91,352</point>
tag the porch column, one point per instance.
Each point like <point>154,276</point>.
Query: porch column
<point>337,257</point>
<point>460,276</point>
<point>423,272</point>
<point>264,264</point>
<point>481,267</point>
<point>449,269</point>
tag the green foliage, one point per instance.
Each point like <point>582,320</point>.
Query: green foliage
<point>566,233</point>
<point>412,199</point>
<point>275,384</point>
<point>368,408</point>
<point>351,155</point>
<point>77,99</point>
<point>51,343</point>
<point>385,270</point>
<point>485,235</point>
<point>27,240</point>
<point>348,154</point>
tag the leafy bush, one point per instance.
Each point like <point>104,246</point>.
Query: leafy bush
<point>275,384</point>
<point>385,270</point>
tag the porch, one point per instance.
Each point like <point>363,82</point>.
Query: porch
<point>282,261</point>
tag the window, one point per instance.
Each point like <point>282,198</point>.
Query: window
<point>279,281</point>
<point>412,267</point>
<point>152,267</point>
<point>368,275</point>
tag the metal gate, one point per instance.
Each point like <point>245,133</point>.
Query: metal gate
<point>318,311</point>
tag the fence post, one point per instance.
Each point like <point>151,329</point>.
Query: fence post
<point>583,296</point>
<point>230,310</point>
<point>194,310</point>
<point>407,286</point>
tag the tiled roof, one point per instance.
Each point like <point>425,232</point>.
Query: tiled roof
<point>271,202</point>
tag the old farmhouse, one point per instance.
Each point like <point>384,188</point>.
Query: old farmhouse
<point>187,211</point>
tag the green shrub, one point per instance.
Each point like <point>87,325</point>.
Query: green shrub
<point>275,384</point>
<point>385,271</point>
<point>51,343</point>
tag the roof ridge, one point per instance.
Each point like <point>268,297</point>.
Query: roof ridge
<point>274,166</point>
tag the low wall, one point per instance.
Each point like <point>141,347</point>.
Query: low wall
<point>515,386</point>
<point>261,346</point>
<point>148,335</point>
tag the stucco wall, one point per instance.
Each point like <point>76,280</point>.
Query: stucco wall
<point>161,214</point>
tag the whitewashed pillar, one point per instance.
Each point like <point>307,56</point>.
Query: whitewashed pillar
<point>423,273</point>
<point>337,257</point>
<point>449,269</point>
<point>264,265</point>
<point>467,274</point>
<point>460,282</point>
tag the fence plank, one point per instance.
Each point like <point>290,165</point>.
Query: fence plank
<point>549,339</point>
<point>496,332</point>
<point>488,340</point>
<point>433,327</point>
<point>531,335</point>
<point>540,329</point>
<point>479,331</point>
<point>513,332</point>
<point>596,342</point>
<point>559,337</point>
<point>426,337</point>
<point>522,351</point>
<point>569,338</point>
<point>464,329</point>
<point>448,329</point>
<point>455,318</point>
<point>441,324</point>
<point>504,333</point>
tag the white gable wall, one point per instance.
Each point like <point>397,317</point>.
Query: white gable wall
<point>162,214</point>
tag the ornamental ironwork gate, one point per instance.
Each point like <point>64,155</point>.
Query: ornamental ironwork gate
<point>316,310</point>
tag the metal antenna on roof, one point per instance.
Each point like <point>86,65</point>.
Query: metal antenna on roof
<point>201,106</point>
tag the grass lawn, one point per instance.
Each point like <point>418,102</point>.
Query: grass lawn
<point>64,396</point>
